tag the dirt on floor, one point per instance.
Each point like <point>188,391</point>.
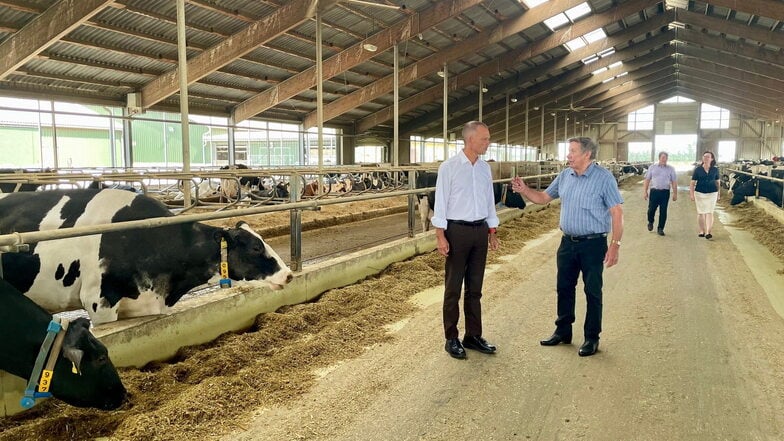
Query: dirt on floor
<point>209,390</point>
<point>213,389</point>
<point>765,228</point>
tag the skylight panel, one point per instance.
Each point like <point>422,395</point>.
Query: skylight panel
<point>595,35</point>
<point>575,44</point>
<point>578,11</point>
<point>556,21</point>
<point>533,3</point>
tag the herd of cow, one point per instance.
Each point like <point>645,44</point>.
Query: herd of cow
<point>743,185</point>
<point>121,274</point>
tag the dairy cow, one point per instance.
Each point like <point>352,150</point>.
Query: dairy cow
<point>128,273</point>
<point>427,201</point>
<point>767,189</point>
<point>23,325</point>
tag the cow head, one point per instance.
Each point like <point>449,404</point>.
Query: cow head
<point>250,258</point>
<point>84,376</point>
<point>740,191</point>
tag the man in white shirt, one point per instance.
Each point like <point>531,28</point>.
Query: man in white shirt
<point>465,222</point>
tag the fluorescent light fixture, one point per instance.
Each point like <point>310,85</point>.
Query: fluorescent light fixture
<point>608,79</point>
<point>621,74</point>
<point>598,71</point>
<point>556,21</point>
<point>514,100</point>
<point>614,65</point>
<point>440,73</point>
<point>606,52</point>
<point>484,89</point>
<point>370,47</point>
<point>591,59</point>
<point>533,3</point>
<point>578,11</point>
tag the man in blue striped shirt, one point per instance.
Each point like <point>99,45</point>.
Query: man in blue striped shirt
<point>590,211</point>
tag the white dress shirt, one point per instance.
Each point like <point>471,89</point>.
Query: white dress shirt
<point>464,191</point>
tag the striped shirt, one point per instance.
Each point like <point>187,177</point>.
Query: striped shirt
<point>464,191</point>
<point>661,176</point>
<point>586,200</point>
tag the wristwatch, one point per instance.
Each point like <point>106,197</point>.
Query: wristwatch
<point>617,242</point>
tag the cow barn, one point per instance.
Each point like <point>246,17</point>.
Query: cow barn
<point>690,351</point>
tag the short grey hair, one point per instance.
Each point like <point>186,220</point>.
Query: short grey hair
<point>470,127</point>
<point>586,145</point>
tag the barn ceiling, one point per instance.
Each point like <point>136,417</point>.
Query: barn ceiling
<point>251,58</point>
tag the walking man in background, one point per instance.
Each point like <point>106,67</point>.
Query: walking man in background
<point>660,177</point>
<point>590,211</point>
<point>465,222</point>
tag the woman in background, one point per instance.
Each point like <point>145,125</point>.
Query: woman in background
<point>704,191</point>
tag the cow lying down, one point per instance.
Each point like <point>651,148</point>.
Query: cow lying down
<point>129,273</point>
<point>23,325</point>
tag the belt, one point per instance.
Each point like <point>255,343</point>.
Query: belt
<point>475,223</point>
<point>660,189</point>
<point>585,237</point>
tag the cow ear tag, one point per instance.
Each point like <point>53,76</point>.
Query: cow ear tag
<point>74,370</point>
<point>225,281</point>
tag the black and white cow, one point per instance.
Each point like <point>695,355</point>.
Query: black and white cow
<point>128,273</point>
<point>426,201</point>
<point>767,189</point>
<point>23,325</point>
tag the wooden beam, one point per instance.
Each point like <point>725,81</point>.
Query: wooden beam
<point>755,33</point>
<point>737,76</point>
<point>761,69</point>
<point>44,30</point>
<point>732,48</point>
<point>500,88</point>
<point>708,94</point>
<point>764,8</point>
<point>239,44</point>
<point>472,44</point>
<point>745,92</point>
<point>403,30</point>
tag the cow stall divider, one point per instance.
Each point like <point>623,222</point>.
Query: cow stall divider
<point>135,342</point>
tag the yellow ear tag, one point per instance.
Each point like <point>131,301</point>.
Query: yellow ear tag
<point>73,368</point>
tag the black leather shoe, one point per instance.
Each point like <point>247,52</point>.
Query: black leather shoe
<point>454,348</point>
<point>650,226</point>
<point>556,339</point>
<point>660,232</point>
<point>588,348</point>
<point>478,343</point>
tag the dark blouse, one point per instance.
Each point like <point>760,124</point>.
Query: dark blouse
<point>706,182</point>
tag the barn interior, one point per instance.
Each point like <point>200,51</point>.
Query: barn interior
<point>154,93</point>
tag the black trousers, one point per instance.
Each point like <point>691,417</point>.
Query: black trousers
<point>658,199</point>
<point>465,267</point>
<point>586,257</point>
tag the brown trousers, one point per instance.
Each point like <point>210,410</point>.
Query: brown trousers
<point>465,267</point>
